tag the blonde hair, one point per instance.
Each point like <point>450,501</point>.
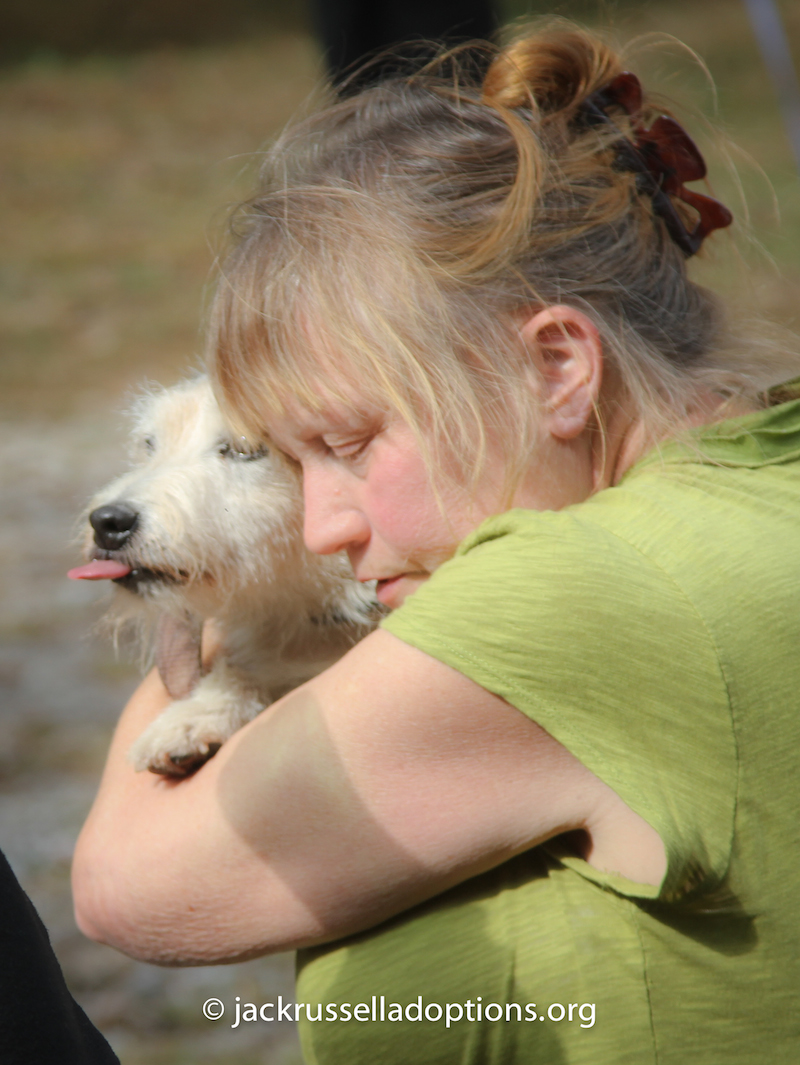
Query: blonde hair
<point>398,235</point>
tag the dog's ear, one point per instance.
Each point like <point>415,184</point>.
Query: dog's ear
<point>178,654</point>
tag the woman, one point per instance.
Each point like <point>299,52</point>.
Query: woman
<point>560,781</point>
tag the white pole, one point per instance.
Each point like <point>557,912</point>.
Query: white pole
<point>773,42</point>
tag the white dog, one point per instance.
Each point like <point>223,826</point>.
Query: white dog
<point>205,528</point>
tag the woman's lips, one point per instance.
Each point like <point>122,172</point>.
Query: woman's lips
<point>391,591</point>
<point>386,585</point>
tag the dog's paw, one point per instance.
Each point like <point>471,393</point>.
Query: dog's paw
<point>187,734</point>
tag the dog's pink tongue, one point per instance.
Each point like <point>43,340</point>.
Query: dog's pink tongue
<point>99,570</point>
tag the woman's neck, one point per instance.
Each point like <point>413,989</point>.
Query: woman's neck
<point>627,438</point>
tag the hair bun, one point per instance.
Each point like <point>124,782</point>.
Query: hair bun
<point>551,71</point>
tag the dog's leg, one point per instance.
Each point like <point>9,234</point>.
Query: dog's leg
<point>191,730</point>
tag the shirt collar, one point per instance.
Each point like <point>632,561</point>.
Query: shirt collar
<point>763,438</point>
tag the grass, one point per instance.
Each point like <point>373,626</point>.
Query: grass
<point>118,173</point>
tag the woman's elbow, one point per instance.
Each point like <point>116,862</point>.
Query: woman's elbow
<point>175,919</point>
<point>111,925</point>
<point>112,907</point>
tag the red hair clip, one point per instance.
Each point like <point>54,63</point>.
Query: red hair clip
<point>663,158</point>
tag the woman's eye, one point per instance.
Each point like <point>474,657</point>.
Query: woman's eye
<point>349,450</point>
<point>228,450</point>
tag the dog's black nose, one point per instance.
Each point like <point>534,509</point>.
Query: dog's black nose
<point>113,525</point>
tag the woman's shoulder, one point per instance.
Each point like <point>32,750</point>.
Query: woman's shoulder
<point>566,617</point>
<point>687,507</point>
<point>578,590</point>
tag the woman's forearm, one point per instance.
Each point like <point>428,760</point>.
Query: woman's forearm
<point>164,872</point>
<point>121,790</point>
<point>380,783</point>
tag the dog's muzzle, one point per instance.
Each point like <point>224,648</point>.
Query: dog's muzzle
<point>114,525</point>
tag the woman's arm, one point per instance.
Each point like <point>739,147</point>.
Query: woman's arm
<point>380,783</point>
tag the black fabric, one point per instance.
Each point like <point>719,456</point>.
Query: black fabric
<point>352,31</point>
<point>40,1022</point>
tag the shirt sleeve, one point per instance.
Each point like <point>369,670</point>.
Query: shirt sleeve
<point>585,635</point>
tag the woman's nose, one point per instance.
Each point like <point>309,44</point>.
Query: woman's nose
<point>331,522</point>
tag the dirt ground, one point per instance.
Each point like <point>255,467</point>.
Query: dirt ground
<point>115,178</point>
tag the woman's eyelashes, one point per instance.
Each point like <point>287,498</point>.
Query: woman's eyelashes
<point>347,449</point>
<point>352,441</point>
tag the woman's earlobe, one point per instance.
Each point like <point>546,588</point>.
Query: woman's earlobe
<point>567,421</point>
<point>567,354</point>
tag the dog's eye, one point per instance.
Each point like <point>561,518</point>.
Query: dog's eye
<point>149,444</point>
<point>227,450</point>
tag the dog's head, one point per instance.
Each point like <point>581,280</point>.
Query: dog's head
<point>200,517</point>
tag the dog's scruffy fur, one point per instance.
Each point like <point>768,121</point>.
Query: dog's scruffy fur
<point>217,533</point>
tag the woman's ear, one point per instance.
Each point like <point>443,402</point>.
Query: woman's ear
<point>567,355</point>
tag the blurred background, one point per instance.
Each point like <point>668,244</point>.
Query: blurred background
<point>127,130</point>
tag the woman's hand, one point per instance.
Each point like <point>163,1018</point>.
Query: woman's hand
<point>382,782</point>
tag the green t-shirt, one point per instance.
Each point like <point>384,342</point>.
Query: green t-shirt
<point>654,630</point>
